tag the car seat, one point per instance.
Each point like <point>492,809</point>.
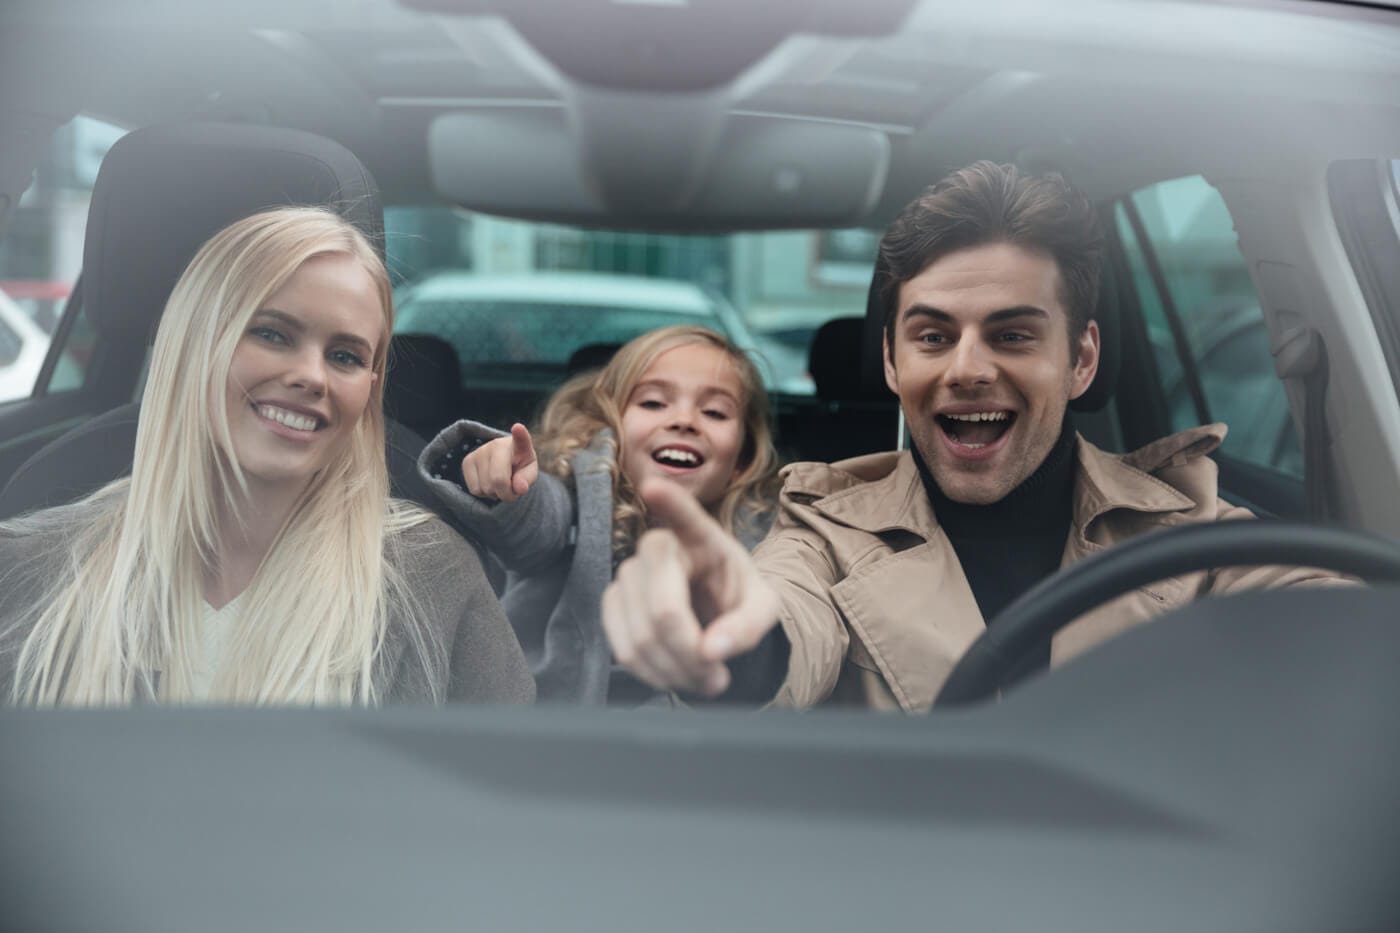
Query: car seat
<point>849,417</point>
<point>423,388</point>
<point>590,356</point>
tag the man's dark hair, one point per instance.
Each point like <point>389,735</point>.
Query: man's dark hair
<point>990,203</point>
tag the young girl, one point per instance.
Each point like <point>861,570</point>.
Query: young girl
<point>254,554</point>
<point>685,404</point>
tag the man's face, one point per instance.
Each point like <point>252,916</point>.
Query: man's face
<point>983,367</point>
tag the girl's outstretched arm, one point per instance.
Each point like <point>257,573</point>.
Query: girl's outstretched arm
<point>530,530</point>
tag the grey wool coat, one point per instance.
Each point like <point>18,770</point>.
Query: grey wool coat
<point>556,544</point>
<point>471,653</point>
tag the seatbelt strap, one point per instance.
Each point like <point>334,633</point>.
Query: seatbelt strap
<point>1301,357</point>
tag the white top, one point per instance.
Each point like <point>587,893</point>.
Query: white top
<point>214,632</point>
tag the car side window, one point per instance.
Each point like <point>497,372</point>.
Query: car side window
<point>9,344</point>
<point>1204,322</point>
<point>40,259</point>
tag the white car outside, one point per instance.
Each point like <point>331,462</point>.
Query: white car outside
<point>544,316</point>
<point>23,346</point>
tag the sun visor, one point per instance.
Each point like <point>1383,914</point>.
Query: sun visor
<point>763,173</point>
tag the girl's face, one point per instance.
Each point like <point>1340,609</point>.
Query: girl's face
<point>303,370</point>
<point>683,421</point>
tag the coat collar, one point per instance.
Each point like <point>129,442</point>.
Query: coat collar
<point>883,492</point>
<point>876,493</point>
<point>1106,482</point>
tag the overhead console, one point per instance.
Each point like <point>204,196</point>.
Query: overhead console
<point>671,45</point>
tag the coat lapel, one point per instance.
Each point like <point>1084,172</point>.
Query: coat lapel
<point>915,615</point>
<point>911,610</point>
<point>1106,483</point>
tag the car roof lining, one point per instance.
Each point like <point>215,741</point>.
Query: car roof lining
<point>957,83</point>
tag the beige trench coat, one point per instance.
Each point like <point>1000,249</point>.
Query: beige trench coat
<point>874,599</point>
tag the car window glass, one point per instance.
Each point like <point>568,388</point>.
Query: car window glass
<point>78,346</point>
<point>42,250</point>
<point>1191,238</point>
<point>9,344</point>
<point>509,293</point>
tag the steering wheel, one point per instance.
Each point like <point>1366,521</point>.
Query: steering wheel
<point>1034,618</point>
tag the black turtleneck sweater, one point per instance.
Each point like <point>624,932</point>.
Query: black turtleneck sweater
<point>1010,545</point>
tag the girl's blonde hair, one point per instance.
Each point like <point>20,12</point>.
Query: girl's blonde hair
<point>130,600</point>
<point>595,400</point>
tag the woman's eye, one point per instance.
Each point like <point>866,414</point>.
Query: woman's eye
<point>268,334</point>
<point>717,414</point>
<point>347,359</point>
<point>651,404</point>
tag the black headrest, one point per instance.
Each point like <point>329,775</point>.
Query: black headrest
<point>834,361</point>
<point>424,383</point>
<point>591,356</point>
<point>163,191</point>
<point>1105,313</point>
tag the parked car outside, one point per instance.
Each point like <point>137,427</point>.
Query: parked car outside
<point>524,329</point>
<point>23,346</point>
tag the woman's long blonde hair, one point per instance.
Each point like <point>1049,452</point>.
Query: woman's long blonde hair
<point>128,601</point>
<point>595,400</point>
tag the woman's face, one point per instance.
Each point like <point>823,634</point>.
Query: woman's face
<point>683,421</point>
<point>303,370</point>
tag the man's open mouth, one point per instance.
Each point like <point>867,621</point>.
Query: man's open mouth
<point>682,458</point>
<point>976,430</point>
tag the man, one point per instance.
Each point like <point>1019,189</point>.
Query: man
<point>883,569</point>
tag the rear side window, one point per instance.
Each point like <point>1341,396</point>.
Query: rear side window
<point>9,344</point>
<point>41,255</point>
<point>1204,321</point>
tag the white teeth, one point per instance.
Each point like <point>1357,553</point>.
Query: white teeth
<point>680,456</point>
<point>981,416</point>
<point>289,418</point>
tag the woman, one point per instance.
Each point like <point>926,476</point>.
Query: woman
<point>686,405</point>
<point>254,555</point>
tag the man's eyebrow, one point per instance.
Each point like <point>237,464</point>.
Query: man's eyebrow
<point>996,317</point>
<point>1020,311</point>
<point>292,323</point>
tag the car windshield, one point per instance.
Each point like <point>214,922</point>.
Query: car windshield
<point>853,358</point>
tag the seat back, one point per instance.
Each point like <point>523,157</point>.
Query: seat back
<point>590,356</point>
<point>848,417</point>
<point>163,191</point>
<point>423,389</point>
